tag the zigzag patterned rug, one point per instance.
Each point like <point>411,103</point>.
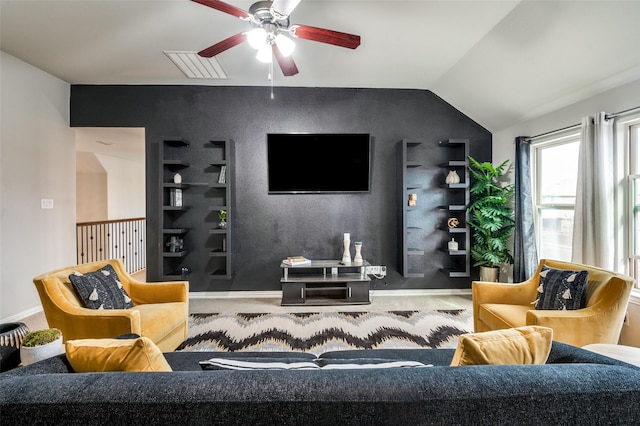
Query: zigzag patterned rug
<point>327,331</point>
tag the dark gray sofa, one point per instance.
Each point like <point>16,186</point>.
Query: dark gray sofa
<point>574,387</point>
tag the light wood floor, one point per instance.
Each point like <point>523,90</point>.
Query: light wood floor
<point>259,305</point>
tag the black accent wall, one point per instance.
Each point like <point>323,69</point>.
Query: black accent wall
<point>268,228</point>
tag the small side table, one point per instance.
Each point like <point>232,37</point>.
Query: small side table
<point>628,354</point>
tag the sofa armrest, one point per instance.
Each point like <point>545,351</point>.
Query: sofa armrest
<point>93,323</point>
<point>510,294</point>
<point>161,292</point>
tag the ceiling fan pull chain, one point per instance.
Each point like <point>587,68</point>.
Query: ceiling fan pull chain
<point>271,77</point>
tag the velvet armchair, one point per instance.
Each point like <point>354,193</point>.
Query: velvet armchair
<point>500,306</point>
<point>160,310</point>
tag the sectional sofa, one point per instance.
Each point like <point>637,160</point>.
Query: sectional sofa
<point>575,386</point>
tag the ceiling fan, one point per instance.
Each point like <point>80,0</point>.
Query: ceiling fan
<point>270,22</point>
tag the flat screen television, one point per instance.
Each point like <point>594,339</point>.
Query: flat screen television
<point>300,163</point>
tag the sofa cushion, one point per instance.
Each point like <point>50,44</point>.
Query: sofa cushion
<point>101,355</point>
<point>158,320</point>
<point>498,316</point>
<point>522,345</point>
<point>561,289</point>
<point>101,289</point>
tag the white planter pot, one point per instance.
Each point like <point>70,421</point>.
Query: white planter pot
<point>38,353</point>
<point>489,274</point>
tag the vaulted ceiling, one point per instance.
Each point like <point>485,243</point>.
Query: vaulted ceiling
<point>498,61</point>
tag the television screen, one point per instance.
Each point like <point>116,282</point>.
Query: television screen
<point>315,163</point>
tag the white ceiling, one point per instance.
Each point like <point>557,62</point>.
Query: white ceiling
<point>499,61</point>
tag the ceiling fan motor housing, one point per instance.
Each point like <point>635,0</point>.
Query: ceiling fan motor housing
<point>263,17</point>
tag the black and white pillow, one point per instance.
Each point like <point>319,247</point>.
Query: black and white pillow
<point>561,289</point>
<point>101,289</point>
<point>253,363</point>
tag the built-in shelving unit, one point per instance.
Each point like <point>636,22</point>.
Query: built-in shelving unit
<point>411,252</point>
<point>456,208</point>
<point>220,192</point>
<point>172,250</point>
<point>193,243</point>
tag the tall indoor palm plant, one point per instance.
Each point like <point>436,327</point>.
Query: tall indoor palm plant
<point>490,216</point>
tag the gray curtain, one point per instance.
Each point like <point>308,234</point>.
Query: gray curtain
<point>525,254</point>
<point>593,223</point>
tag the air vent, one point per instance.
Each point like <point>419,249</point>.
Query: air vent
<point>195,66</point>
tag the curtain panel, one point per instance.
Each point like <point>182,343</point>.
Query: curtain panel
<point>525,253</point>
<point>594,225</point>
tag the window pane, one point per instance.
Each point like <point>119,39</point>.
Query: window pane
<point>635,139</point>
<point>558,173</point>
<point>635,203</point>
<point>556,234</point>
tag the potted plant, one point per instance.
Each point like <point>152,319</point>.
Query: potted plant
<point>41,344</point>
<point>222,215</point>
<point>490,217</point>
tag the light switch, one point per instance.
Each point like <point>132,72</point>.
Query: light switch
<point>46,203</point>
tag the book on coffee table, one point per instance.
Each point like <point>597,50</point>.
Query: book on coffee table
<point>296,261</point>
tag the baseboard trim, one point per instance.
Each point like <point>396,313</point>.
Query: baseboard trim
<point>22,315</point>
<point>277,294</point>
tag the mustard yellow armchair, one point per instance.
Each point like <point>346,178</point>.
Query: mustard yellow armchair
<point>499,306</point>
<point>160,310</point>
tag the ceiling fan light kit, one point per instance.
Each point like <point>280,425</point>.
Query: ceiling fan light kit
<point>270,20</point>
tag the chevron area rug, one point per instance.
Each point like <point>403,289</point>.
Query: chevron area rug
<point>326,331</point>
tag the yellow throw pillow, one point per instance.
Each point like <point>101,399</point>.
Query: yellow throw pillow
<point>522,345</point>
<point>100,355</point>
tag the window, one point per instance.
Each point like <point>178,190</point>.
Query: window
<point>555,171</point>
<point>555,166</point>
<point>634,202</point>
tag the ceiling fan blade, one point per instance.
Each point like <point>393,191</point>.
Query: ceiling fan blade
<point>322,35</point>
<point>226,8</point>
<point>225,44</point>
<point>283,8</point>
<point>286,63</point>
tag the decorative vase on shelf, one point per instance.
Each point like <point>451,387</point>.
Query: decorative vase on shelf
<point>346,254</point>
<point>177,178</point>
<point>452,178</point>
<point>357,259</point>
<point>452,245</point>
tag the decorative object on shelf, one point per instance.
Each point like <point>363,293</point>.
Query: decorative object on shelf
<point>357,259</point>
<point>175,197</point>
<point>175,244</point>
<point>177,178</point>
<point>11,336</point>
<point>491,217</point>
<point>452,178</point>
<point>346,254</point>
<point>453,222</point>
<point>452,245</point>
<point>184,271</point>
<point>222,215</point>
<point>413,198</point>
<point>41,344</point>
<point>222,178</point>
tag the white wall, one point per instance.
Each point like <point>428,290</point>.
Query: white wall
<point>91,189</point>
<point>615,100</point>
<point>37,159</point>
<point>125,186</point>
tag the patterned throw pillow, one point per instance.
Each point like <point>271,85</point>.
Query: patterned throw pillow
<point>561,289</point>
<point>101,289</point>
